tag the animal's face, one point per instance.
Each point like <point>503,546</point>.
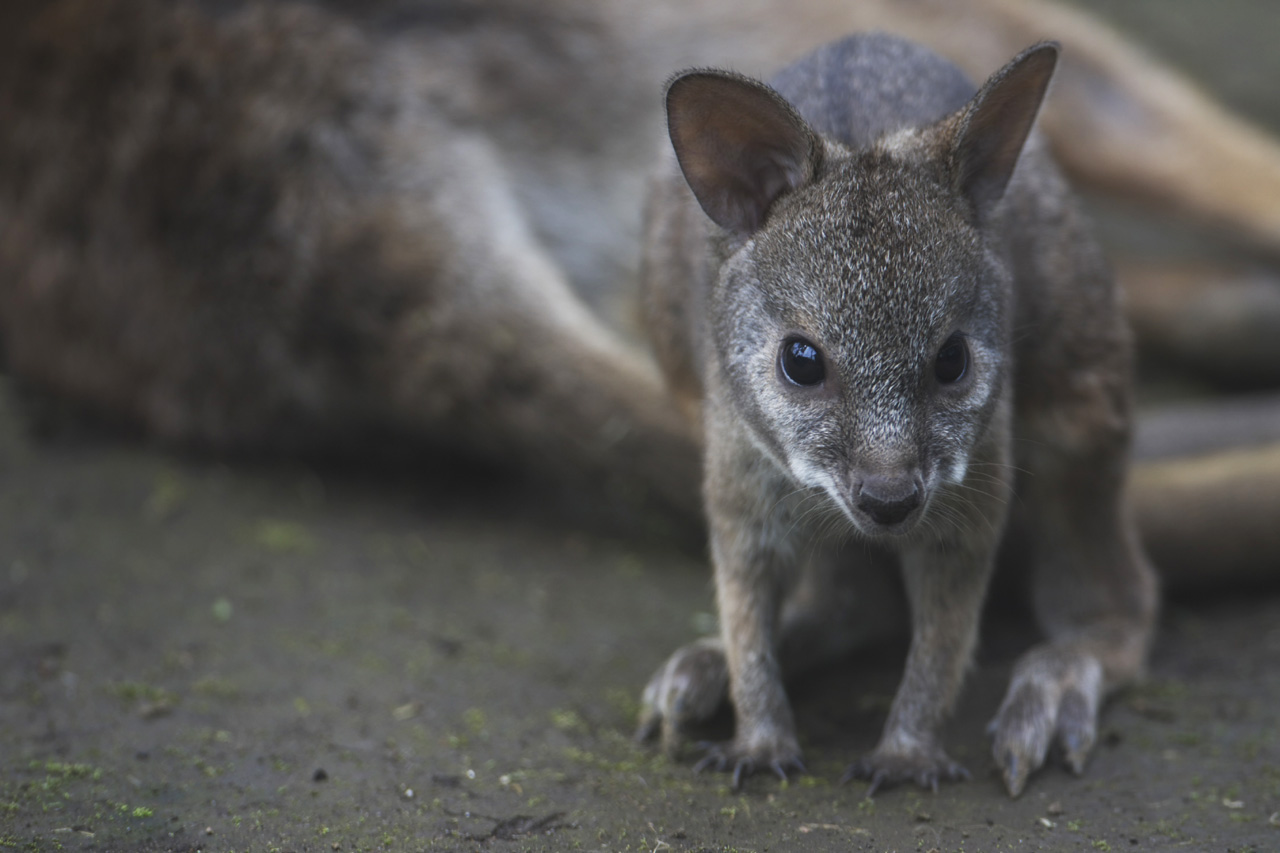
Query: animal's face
<point>859,316</point>
<point>862,338</point>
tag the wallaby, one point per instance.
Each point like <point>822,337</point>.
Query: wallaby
<point>269,225</point>
<point>873,290</point>
<point>250,224</point>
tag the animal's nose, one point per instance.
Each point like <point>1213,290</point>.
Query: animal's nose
<point>888,499</point>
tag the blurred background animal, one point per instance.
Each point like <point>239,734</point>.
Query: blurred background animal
<point>286,226</point>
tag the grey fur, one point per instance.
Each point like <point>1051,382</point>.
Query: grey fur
<point>903,224</point>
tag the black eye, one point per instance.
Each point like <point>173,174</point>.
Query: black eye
<point>801,362</point>
<point>952,361</point>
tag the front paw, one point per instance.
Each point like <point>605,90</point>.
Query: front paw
<point>1052,697</point>
<point>779,755</point>
<point>886,766</point>
<point>688,689</point>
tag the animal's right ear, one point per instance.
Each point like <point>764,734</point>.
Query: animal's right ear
<point>740,145</point>
<point>993,128</point>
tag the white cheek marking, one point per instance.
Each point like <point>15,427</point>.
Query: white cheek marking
<point>806,473</point>
<point>818,478</point>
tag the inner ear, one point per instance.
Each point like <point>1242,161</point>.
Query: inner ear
<point>993,128</point>
<point>740,145</point>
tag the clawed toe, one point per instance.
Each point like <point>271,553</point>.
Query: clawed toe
<point>715,759</point>
<point>686,691</point>
<point>780,768</point>
<point>726,757</point>
<point>648,728</point>
<point>1049,702</point>
<point>887,770</point>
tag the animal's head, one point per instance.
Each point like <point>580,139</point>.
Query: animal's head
<point>860,318</point>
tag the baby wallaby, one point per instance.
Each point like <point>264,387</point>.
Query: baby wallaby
<point>873,290</point>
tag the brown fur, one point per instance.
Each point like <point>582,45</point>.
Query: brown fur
<point>268,227</point>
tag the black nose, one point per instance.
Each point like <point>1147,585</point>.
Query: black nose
<point>888,500</point>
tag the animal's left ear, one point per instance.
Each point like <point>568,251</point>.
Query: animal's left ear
<point>992,128</point>
<point>740,145</point>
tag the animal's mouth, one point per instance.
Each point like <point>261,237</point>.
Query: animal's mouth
<point>877,528</point>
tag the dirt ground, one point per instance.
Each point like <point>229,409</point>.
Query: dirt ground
<point>206,655</point>
<point>203,657</point>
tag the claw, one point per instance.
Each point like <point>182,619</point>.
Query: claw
<point>1052,703</point>
<point>927,770</point>
<point>779,767</point>
<point>648,728</point>
<point>686,690</point>
<point>877,779</point>
<point>714,759</point>
<point>856,770</point>
<point>1015,774</point>
<point>1074,751</point>
<point>742,763</point>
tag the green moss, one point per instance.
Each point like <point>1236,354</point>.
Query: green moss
<point>137,692</point>
<point>222,609</point>
<point>567,720</point>
<point>214,687</point>
<point>168,494</point>
<point>62,770</point>
<point>475,720</point>
<point>623,702</point>
<point>283,537</point>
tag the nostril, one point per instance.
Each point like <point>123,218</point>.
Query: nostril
<point>888,500</point>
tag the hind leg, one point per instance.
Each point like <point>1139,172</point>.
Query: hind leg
<point>1094,590</point>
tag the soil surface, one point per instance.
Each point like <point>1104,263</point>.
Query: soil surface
<point>195,656</point>
<point>205,655</point>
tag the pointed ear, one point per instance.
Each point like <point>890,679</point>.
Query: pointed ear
<point>993,127</point>
<point>740,145</point>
